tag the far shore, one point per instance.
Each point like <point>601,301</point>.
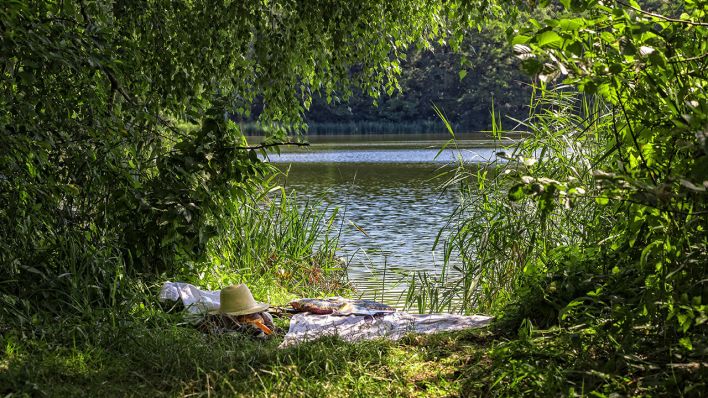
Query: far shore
<point>393,141</point>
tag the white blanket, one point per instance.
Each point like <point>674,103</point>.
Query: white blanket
<point>306,327</point>
<point>195,300</point>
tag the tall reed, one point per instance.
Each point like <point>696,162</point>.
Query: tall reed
<point>278,246</point>
<point>501,242</point>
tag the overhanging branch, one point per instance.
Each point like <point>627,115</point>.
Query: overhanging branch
<point>268,145</point>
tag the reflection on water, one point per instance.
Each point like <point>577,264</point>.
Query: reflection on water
<point>382,155</point>
<point>390,208</point>
<point>389,217</point>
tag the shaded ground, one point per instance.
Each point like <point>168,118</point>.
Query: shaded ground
<point>179,361</point>
<point>156,357</point>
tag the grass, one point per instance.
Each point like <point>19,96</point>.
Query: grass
<point>544,263</point>
<point>153,354</point>
<point>279,246</point>
<point>132,347</point>
<point>161,358</point>
<point>501,241</point>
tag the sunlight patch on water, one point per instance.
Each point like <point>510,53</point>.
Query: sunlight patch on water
<point>430,155</point>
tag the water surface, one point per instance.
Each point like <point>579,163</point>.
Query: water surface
<point>391,207</point>
<point>383,154</point>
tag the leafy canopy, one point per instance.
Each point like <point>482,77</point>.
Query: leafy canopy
<point>116,150</point>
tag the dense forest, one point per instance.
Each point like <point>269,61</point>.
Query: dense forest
<point>438,77</point>
<point>465,84</point>
<point>121,167</point>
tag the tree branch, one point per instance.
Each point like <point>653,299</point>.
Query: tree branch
<point>636,143</point>
<point>679,60</point>
<point>653,206</point>
<point>116,86</point>
<point>84,14</point>
<point>665,18</point>
<point>271,144</point>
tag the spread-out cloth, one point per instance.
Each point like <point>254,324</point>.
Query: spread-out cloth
<point>393,326</point>
<point>307,327</point>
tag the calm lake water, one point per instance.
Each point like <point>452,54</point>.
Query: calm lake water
<point>391,207</point>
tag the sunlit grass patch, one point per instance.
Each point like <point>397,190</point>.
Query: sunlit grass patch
<point>159,359</point>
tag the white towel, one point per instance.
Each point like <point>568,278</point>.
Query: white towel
<point>306,327</point>
<point>195,300</point>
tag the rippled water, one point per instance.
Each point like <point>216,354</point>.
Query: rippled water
<point>382,155</point>
<point>390,205</point>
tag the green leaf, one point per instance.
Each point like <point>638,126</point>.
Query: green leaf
<point>574,47</point>
<point>71,189</point>
<point>462,74</point>
<point>615,68</point>
<point>657,59</point>
<point>571,24</point>
<point>602,200</point>
<point>606,91</point>
<point>531,66</point>
<point>548,38</point>
<point>516,192</point>
<point>686,343</point>
<point>520,39</point>
<point>634,4</point>
<point>647,251</point>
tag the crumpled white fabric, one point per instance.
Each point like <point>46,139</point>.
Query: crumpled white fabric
<point>306,327</point>
<point>195,300</point>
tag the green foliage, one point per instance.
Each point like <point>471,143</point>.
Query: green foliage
<point>534,199</point>
<point>99,176</point>
<point>156,358</point>
<point>644,66</point>
<point>461,82</point>
<point>277,246</point>
<point>593,228</point>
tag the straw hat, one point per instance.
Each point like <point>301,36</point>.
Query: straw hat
<point>238,300</point>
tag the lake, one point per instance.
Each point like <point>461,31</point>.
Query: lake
<point>391,207</point>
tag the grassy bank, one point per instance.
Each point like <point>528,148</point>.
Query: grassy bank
<point>152,354</point>
<point>163,359</point>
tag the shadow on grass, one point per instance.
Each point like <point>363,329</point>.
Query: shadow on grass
<point>141,360</point>
<point>159,358</point>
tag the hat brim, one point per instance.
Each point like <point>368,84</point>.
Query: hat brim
<point>259,307</point>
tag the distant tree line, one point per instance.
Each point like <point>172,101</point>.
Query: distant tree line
<point>464,85</point>
<point>464,92</point>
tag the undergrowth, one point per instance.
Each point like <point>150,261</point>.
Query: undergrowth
<point>161,359</point>
<point>152,354</point>
<point>588,239</point>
